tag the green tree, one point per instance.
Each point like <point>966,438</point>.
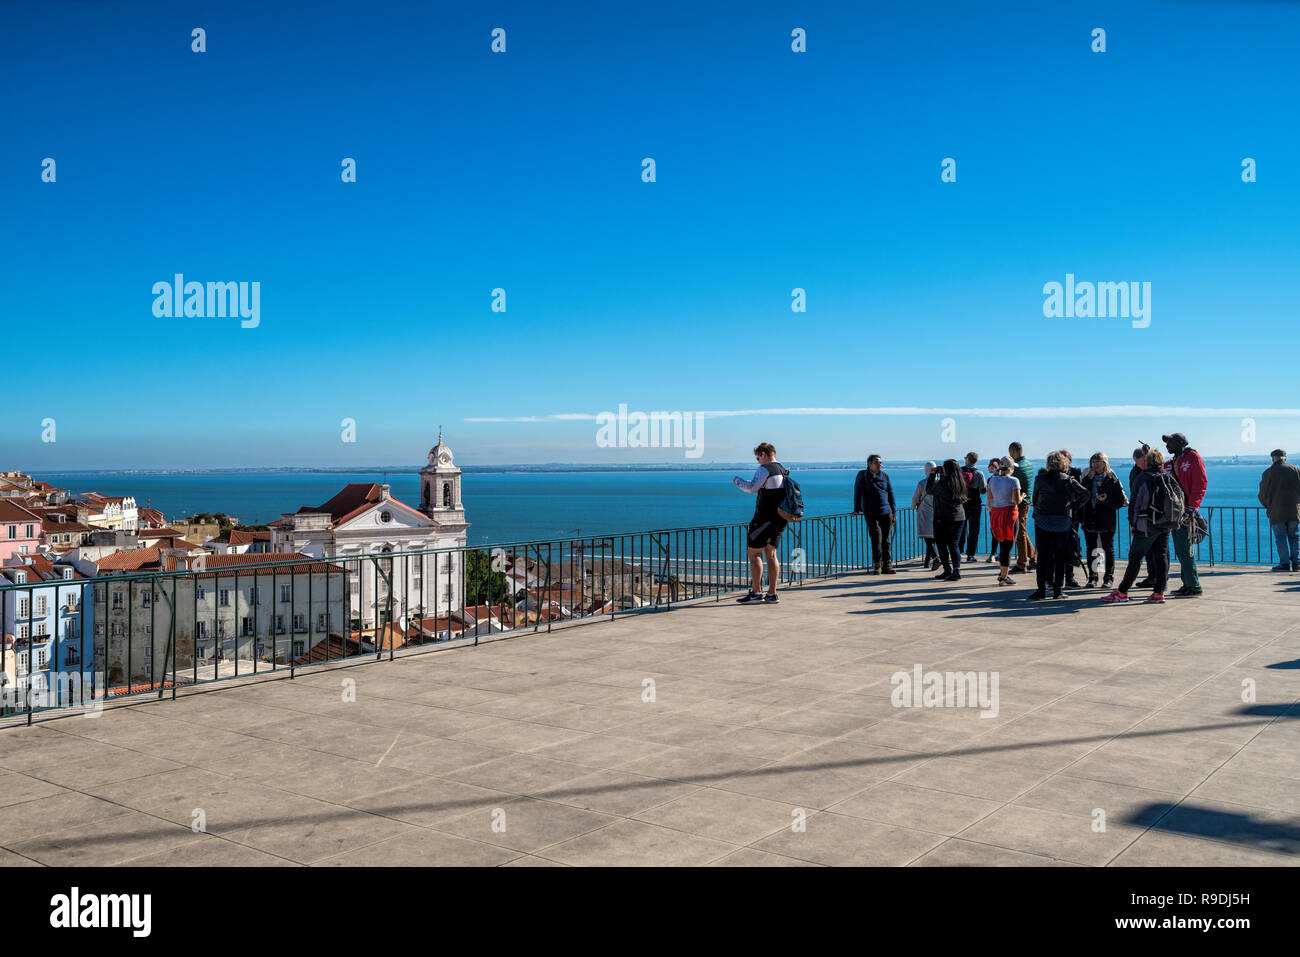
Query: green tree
<point>483,586</point>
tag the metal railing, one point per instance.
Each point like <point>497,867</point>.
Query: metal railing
<point>212,617</point>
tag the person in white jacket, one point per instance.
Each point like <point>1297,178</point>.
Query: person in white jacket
<point>924,505</point>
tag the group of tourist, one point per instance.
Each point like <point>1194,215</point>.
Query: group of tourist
<point>1163,495</point>
<point>1040,516</point>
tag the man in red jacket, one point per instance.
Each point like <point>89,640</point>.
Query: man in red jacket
<point>1189,469</point>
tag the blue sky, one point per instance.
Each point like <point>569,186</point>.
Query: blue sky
<point>522,171</point>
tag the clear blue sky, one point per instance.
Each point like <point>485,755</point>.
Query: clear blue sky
<point>523,171</point>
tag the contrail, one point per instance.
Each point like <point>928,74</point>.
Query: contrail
<point>1032,412</point>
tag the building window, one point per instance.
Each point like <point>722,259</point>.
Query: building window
<point>146,598</point>
<point>446,495</point>
<point>285,591</point>
<point>40,605</point>
<point>71,603</point>
<point>298,649</point>
<point>385,517</point>
<point>320,622</point>
<point>148,651</point>
<point>203,629</point>
<point>13,531</point>
<point>24,632</point>
<point>24,607</point>
<point>223,597</point>
<point>42,658</point>
<point>202,593</point>
<point>248,626</point>
<point>117,601</point>
<point>30,533</point>
<point>279,624</point>
<point>299,622</point>
<point>99,593</point>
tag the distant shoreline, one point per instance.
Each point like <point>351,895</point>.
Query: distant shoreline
<point>555,467</point>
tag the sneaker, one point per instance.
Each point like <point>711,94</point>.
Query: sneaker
<point>989,560</point>
<point>1056,593</point>
<point>1108,582</point>
<point>1187,592</point>
<point>1036,596</point>
<point>887,570</point>
<point>1116,595</point>
<point>1145,583</point>
<point>955,576</point>
<point>1090,583</point>
<point>752,598</point>
<point>1019,569</point>
<point>772,599</point>
<point>1284,567</point>
<point>1007,581</point>
<point>945,577</point>
<point>1155,598</point>
<point>1071,583</point>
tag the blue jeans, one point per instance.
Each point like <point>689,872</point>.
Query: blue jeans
<point>1288,542</point>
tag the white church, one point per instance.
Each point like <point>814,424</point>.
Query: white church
<point>364,519</point>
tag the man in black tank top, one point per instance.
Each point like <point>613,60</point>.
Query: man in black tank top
<point>765,528</point>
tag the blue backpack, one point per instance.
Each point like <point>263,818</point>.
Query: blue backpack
<point>791,507</point>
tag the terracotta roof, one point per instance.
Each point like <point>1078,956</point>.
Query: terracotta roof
<point>52,525</point>
<point>48,570</point>
<point>331,648</point>
<point>236,536</point>
<point>11,511</point>
<point>354,499</point>
<point>131,559</point>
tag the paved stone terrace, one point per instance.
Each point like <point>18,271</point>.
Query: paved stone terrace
<point>759,711</point>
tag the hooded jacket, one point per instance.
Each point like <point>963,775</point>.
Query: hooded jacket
<point>1189,469</point>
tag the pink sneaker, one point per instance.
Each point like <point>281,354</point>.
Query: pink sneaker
<point>1155,598</point>
<point>1114,596</point>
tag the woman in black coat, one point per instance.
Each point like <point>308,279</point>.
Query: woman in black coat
<point>1105,498</point>
<point>949,490</point>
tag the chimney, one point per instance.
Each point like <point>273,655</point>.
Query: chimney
<point>384,495</point>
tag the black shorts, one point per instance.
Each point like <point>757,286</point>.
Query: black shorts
<point>765,531</point>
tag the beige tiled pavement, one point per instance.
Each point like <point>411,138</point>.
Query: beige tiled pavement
<point>1132,735</point>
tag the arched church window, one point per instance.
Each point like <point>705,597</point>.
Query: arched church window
<point>446,495</point>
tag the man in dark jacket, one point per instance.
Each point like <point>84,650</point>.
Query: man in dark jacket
<point>1279,493</point>
<point>873,497</point>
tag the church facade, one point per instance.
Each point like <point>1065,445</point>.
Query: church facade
<point>399,559</point>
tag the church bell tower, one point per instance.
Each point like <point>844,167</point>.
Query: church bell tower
<point>440,487</point>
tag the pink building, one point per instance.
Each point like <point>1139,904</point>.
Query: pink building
<point>20,529</point>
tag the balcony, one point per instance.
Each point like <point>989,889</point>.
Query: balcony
<point>760,717</point>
